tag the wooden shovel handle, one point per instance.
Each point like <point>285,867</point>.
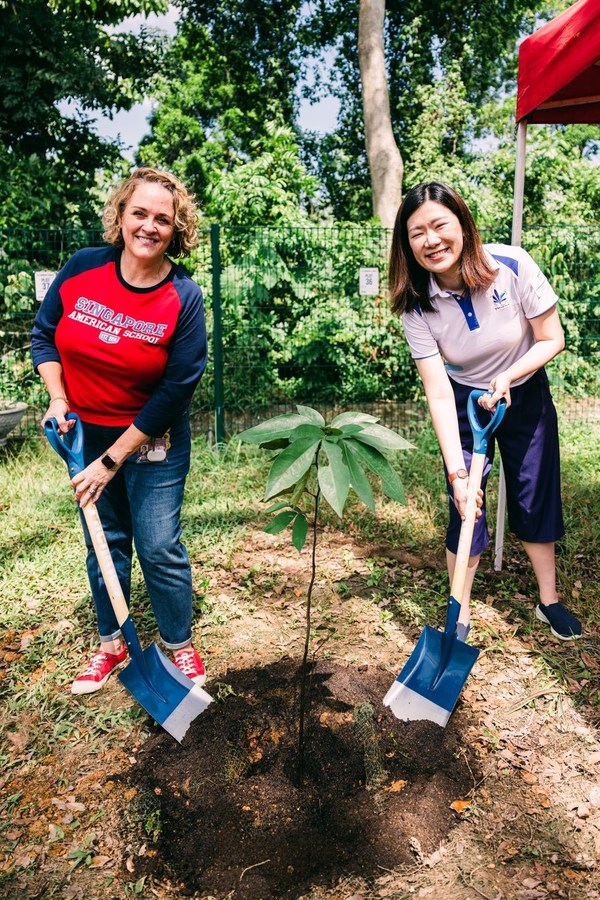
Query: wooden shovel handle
<point>466,531</point>
<point>105,561</point>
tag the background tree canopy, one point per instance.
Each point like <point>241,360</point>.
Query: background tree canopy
<point>51,53</point>
<point>227,90</point>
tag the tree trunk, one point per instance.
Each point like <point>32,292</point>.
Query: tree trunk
<point>385,161</point>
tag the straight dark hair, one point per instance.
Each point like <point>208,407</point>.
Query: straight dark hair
<point>409,281</point>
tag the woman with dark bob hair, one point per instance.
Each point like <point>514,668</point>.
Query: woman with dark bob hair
<point>484,317</point>
<point>120,340</point>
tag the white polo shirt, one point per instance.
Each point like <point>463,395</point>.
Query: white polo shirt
<point>481,335</point>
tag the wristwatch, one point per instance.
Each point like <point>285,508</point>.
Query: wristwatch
<point>108,462</point>
<point>460,473</point>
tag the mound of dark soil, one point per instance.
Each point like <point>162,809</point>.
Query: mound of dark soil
<point>231,817</point>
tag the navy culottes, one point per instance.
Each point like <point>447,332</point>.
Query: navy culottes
<point>527,439</point>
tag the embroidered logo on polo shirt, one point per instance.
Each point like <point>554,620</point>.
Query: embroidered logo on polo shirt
<point>500,299</point>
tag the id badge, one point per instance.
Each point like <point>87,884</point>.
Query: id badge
<point>156,450</point>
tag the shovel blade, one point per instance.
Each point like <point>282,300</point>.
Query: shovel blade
<point>169,696</point>
<point>428,687</point>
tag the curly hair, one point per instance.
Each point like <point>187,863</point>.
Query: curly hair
<point>408,281</point>
<point>185,236</point>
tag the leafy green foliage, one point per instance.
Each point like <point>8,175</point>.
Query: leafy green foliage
<point>273,187</point>
<point>231,71</point>
<point>425,40</point>
<point>295,324</point>
<point>314,458</point>
<point>49,157</point>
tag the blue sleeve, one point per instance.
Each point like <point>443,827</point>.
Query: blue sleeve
<point>188,354</point>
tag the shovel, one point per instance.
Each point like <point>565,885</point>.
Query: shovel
<point>169,696</point>
<point>430,683</point>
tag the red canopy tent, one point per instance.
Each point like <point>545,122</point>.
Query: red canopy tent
<point>558,83</point>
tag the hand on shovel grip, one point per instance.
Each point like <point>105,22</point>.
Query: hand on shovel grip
<point>58,409</point>
<point>461,494</point>
<point>90,483</point>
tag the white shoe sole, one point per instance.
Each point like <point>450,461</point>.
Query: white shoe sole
<point>562,637</point>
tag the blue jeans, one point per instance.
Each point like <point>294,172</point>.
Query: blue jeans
<point>141,508</point>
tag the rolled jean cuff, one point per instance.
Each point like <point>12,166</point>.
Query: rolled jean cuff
<point>104,639</point>
<point>176,646</point>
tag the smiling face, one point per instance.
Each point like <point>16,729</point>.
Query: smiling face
<point>147,223</point>
<point>435,236</point>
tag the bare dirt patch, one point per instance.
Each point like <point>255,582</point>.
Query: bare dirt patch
<point>375,793</point>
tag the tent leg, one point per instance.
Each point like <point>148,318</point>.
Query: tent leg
<point>517,225</point>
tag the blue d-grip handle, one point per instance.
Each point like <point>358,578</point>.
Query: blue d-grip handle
<point>69,446</point>
<point>482,434</point>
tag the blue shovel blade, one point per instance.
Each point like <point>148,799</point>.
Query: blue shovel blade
<point>422,690</point>
<point>169,696</point>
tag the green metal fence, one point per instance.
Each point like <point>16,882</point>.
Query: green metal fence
<point>300,315</point>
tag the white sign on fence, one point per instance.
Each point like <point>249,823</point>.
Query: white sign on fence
<point>43,280</point>
<point>368,281</point>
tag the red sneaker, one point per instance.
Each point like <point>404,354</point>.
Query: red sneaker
<point>100,666</point>
<point>188,661</point>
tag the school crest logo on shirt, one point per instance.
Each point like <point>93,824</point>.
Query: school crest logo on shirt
<point>109,338</point>
<point>500,299</point>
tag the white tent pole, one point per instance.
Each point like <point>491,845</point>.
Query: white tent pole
<point>519,189</point>
<point>517,224</point>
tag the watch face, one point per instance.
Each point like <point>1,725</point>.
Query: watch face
<point>108,462</point>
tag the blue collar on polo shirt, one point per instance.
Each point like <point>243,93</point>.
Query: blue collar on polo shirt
<point>466,304</point>
<point>464,301</point>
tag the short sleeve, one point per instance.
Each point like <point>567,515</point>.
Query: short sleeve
<point>536,293</point>
<point>418,335</point>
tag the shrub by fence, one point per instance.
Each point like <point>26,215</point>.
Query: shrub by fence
<point>301,315</point>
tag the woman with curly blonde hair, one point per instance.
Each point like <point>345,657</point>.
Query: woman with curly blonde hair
<point>120,339</point>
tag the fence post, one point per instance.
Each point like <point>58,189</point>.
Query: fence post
<point>217,337</point>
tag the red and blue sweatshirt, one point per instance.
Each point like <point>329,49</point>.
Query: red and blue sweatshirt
<point>129,355</point>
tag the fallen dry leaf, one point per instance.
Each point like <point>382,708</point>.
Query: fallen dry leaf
<point>590,662</point>
<point>461,806</point>
<point>98,862</point>
<point>396,786</point>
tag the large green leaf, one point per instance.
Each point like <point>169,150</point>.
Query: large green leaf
<point>351,429</point>
<point>290,466</point>
<point>390,480</point>
<point>306,431</point>
<point>273,429</point>
<point>312,414</point>
<point>358,478</point>
<point>280,522</point>
<point>283,504</point>
<point>353,418</point>
<point>299,532</point>
<point>334,479</point>
<point>383,438</point>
